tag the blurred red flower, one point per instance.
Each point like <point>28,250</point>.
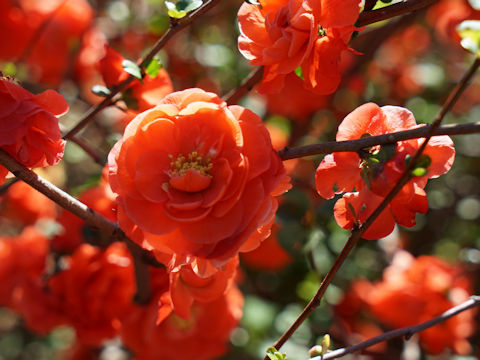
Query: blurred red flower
<point>43,34</point>
<point>29,126</point>
<point>94,290</point>
<point>269,255</point>
<point>25,205</point>
<point>203,336</point>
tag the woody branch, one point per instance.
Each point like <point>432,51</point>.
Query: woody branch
<point>408,332</point>
<point>391,138</point>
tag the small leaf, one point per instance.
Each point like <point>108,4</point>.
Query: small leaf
<point>176,14</point>
<point>132,68</point>
<point>100,90</point>
<point>188,5</point>
<point>335,187</point>
<point>274,354</point>
<point>419,171</point>
<point>469,31</point>
<point>179,9</point>
<point>325,343</point>
<point>153,67</point>
<point>299,73</point>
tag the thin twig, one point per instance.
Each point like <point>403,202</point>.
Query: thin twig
<point>245,87</point>
<point>406,331</point>
<point>391,138</point>
<point>358,232</point>
<point>142,275</point>
<point>175,27</point>
<point>94,154</point>
<point>407,6</point>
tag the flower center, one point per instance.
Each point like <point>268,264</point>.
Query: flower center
<point>191,173</point>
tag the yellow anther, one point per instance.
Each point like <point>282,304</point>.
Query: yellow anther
<point>194,161</point>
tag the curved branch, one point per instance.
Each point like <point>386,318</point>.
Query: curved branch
<point>358,144</point>
<point>406,331</point>
<point>387,12</point>
<point>245,87</point>
<point>175,26</point>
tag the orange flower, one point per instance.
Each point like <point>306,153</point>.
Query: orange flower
<point>186,287</point>
<point>43,34</point>
<point>196,178</point>
<point>372,173</point>
<point>301,103</point>
<point>29,126</point>
<point>420,289</point>
<point>26,205</point>
<point>145,94</point>
<point>202,337</point>
<point>269,255</point>
<point>413,290</point>
<point>91,294</point>
<point>283,35</point>
<point>21,257</point>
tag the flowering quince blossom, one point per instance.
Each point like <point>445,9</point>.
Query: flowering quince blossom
<point>92,294</point>
<point>283,35</point>
<point>29,126</point>
<point>196,180</point>
<point>418,289</point>
<point>154,332</point>
<point>368,176</point>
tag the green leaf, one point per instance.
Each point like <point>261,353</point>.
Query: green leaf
<point>469,31</point>
<point>181,8</point>
<point>188,5</point>
<point>274,354</point>
<point>132,68</point>
<point>153,67</point>
<point>100,90</point>
<point>299,73</point>
<point>419,171</point>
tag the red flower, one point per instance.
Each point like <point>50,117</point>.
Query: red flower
<point>284,35</point>
<point>43,34</point>
<point>269,256</point>
<point>373,173</point>
<point>196,178</point>
<point>420,289</point>
<point>22,257</point>
<point>91,294</point>
<point>25,205</point>
<point>29,126</point>
<point>202,337</point>
<point>186,287</point>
